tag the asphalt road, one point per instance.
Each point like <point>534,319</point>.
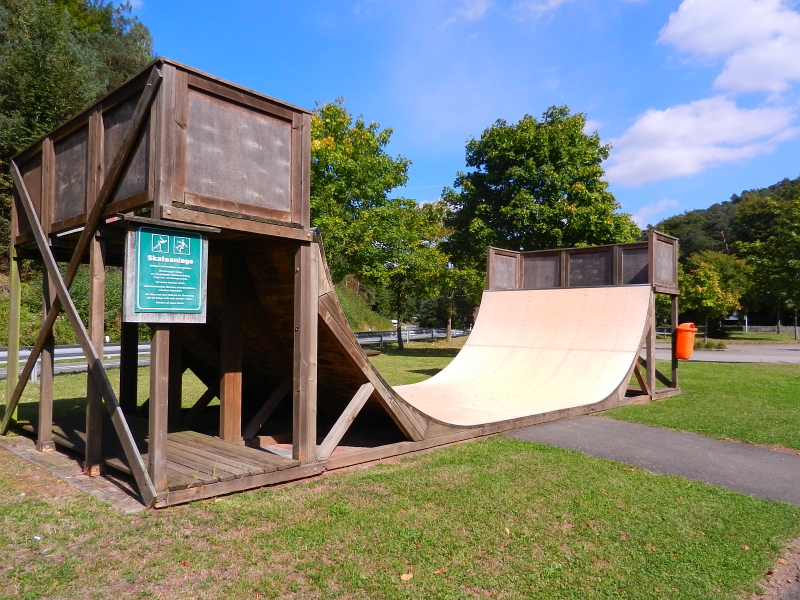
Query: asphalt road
<point>743,353</point>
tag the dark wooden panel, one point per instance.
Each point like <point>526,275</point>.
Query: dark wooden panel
<point>238,154</point>
<point>540,272</point>
<point>665,262</point>
<point>32,176</point>
<point>504,272</point>
<point>71,174</point>
<point>115,124</point>
<point>591,268</point>
<point>634,265</point>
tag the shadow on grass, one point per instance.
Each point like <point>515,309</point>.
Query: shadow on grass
<point>428,372</point>
<point>62,407</point>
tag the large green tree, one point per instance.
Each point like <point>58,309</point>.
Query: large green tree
<point>56,57</point>
<point>774,250</point>
<point>401,251</point>
<point>713,284</point>
<point>536,184</point>
<point>351,173</point>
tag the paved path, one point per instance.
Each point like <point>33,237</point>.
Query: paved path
<point>740,467</point>
<point>742,353</point>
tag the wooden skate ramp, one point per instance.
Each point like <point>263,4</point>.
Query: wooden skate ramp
<point>538,351</point>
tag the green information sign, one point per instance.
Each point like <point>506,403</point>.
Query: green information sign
<point>169,275</point>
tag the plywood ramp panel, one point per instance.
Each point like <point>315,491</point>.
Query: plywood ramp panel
<point>534,352</point>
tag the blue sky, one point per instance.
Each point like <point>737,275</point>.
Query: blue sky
<point>698,97</point>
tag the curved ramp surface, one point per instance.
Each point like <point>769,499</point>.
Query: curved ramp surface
<point>537,351</point>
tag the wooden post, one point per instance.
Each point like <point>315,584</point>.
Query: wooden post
<point>175,376</point>
<point>129,367</point>
<point>94,395</point>
<point>651,346</point>
<point>230,399</point>
<point>14,304</point>
<point>159,406</point>
<point>306,300</point>
<point>674,325</point>
<point>44,441</point>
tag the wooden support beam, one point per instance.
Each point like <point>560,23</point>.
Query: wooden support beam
<point>175,376</point>
<point>674,325</point>
<point>97,298</point>
<point>230,413</point>
<point>14,305</point>
<point>344,421</point>
<point>129,367</point>
<point>257,422</point>
<point>663,379</point>
<point>94,396</point>
<point>44,432</point>
<point>159,405</point>
<point>304,405</point>
<point>144,483</point>
<point>640,378</point>
<point>651,344</point>
<point>92,221</point>
<point>201,404</point>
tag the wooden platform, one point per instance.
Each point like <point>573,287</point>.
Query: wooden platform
<point>193,459</point>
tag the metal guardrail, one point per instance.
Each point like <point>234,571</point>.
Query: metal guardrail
<point>72,352</point>
<point>369,338</point>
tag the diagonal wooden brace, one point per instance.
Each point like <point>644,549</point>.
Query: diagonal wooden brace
<point>103,197</point>
<point>339,428</point>
<point>257,422</point>
<point>96,369</point>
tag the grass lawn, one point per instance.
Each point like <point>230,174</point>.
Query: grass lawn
<point>495,518</point>
<point>419,361</point>
<point>754,337</point>
<point>69,392</point>
<point>756,403</point>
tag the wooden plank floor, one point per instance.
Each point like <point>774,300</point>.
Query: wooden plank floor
<point>193,459</point>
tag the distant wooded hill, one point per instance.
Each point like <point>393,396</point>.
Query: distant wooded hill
<point>716,227</point>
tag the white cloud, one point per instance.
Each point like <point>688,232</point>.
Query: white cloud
<point>644,216</point>
<point>471,10</point>
<point>690,138</point>
<point>760,40</point>
<point>474,10</point>
<point>591,126</point>
<point>136,4</point>
<point>536,8</point>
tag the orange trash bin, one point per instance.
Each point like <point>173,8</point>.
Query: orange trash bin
<point>684,343</point>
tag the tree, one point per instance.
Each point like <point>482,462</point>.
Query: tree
<point>713,283</point>
<point>400,251</point>
<point>775,251</point>
<point>57,57</point>
<point>351,173</point>
<point>710,228</point>
<point>535,185</point>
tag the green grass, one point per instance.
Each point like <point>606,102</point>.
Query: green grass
<point>756,403</point>
<point>418,362</point>
<point>496,518</point>
<point>753,337</point>
<point>69,392</point>
<point>360,317</point>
